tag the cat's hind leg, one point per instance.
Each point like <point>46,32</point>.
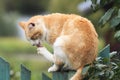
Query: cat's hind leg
<point>52,58</point>
<point>60,58</point>
<point>58,64</point>
<point>54,68</point>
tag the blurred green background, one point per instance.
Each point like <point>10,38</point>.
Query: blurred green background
<point>13,45</point>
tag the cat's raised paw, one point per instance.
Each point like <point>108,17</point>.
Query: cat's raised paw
<point>41,50</point>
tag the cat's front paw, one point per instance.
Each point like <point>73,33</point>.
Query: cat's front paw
<point>40,50</point>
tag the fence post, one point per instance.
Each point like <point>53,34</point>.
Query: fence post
<point>25,73</point>
<point>105,53</point>
<point>63,75</point>
<point>45,77</point>
<point>4,70</point>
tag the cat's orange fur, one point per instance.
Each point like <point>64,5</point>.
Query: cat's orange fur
<point>74,35</point>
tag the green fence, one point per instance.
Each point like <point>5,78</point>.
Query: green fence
<point>26,74</point>
<point>5,71</point>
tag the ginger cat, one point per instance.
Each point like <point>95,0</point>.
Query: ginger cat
<point>73,38</point>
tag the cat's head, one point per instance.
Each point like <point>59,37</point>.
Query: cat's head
<point>34,30</point>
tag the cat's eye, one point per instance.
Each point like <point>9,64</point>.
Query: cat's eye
<point>31,25</point>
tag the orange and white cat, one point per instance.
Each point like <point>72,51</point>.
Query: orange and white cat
<point>73,38</point>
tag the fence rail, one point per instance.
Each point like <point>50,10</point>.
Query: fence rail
<point>26,73</point>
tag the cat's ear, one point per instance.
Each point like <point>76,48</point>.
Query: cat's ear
<point>22,24</point>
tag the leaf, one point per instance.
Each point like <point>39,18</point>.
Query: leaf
<point>106,16</point>
<point>114,65</point>
<point>119,13</point>
<point>117,35</point>
<point>100,66</point>
<point>101,73</point>
<point>113,53</point>
<point>85,70</point>
<point>115,21</point>
<point>98,59</point>
<point>111,74</point>
<point>107,73</point>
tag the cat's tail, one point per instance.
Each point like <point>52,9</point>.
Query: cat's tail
<point>77,75</point>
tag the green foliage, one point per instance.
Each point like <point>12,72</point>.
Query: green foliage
<point>111,16</point>
<point>117,35</point>
<point>106,17</point>
<point>105,67</point>
<point>102,71</point>
<point>115,21</point>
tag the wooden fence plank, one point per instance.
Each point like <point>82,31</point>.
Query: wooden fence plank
<point>60,76</point>
<point>4,70</point>
<point>70,74</point>
<point>45,77</point>
<point>63,75</point>
<point>104,53</point>
<point>25,73</point>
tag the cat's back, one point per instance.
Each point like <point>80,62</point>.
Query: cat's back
<point>58,17</point>
<point>67,20</point>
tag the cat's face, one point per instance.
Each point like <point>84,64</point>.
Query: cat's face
<point>33,30</point>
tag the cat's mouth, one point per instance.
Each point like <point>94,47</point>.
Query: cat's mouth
<point>39,45</point>
<point>36,43</point>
